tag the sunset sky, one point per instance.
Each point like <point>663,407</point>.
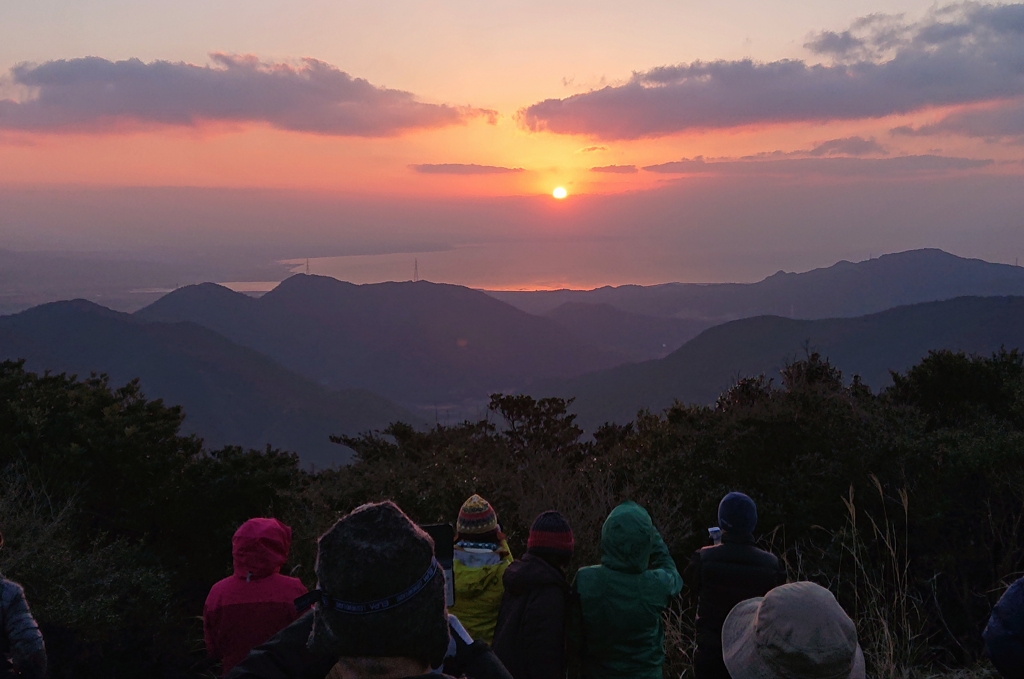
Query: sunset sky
<point>696,141</point>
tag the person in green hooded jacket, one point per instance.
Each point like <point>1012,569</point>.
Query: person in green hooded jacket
<point>615,628</point>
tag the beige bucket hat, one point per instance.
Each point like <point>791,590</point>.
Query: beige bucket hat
<point>796,631</point>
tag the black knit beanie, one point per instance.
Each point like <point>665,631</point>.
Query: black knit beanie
<point>369,566</point>
<point>737,515</point>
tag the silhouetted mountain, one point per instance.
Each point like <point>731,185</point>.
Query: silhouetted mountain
<point>843,290</point>
<point>230,394</point>
<point>869,346</point>
<point>421,344</point>
<point>638,337</point>
<point>28,279</point>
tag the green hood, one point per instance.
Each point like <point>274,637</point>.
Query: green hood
<point>627,539</point>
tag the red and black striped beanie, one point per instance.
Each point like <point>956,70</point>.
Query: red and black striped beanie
<point>550,534</point>
<point>476,517</point>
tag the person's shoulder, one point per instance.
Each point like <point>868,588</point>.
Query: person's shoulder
<point>10,591</point>
<point>219,588</point>
<point>10,586</point>
<point>293,584</point>
<point>768,557</point>
<point>588,574</point>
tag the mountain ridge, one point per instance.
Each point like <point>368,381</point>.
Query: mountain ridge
<point>870,345</point>
<point>420,344</point>
<point>230,394</point>
<point>844,289</point>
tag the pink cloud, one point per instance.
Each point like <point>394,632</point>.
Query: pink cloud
<point>881,66</point>
<point>96,95</point>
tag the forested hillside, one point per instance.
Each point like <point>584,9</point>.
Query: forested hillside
<point>421,344</point>
<point>869,346</point>
<point>230,394</point>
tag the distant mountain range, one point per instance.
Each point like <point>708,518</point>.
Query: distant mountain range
<point>635,336</point>
<point>869,346</point>
<point>317,356</point>
<point>845,289</point>
<point>230,394</point>
<point>424,345</point>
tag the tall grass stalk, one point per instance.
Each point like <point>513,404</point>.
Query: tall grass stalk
<point>876,561</point>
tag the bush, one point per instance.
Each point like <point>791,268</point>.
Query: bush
<point>908,503</point>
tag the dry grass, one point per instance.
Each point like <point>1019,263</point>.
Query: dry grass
<point>873,582</point>
<point>889,615</point>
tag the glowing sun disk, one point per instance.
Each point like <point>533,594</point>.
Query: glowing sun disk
<point>560,192</point>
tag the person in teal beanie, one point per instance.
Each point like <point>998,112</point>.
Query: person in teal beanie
<point>615,629</point>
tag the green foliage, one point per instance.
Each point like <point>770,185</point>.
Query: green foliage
<point>117,525</point>
<point>936,461</point>
<point>909,504</point>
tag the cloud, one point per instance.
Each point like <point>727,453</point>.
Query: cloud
<point>593,149</point>
<point>1000,123</point>
<point>832,167</point>
<point>460,168</point>
<point>880,66</point>
<point>96,95</point>
<point>848,146</point>
<point>616,169</point>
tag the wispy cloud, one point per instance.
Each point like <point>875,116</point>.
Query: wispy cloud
<point>96,95</point>
<point>1003,122</point>
<point>593,149</point>
<point>834,167</point>
<point>848,146</point>
<point>461,168</point>
<point>615,169</point>
<point>880,66</point>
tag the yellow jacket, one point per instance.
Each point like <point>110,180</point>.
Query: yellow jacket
<point>478,589</point>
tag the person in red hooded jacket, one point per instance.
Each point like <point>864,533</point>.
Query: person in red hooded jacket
<point>256,602</point>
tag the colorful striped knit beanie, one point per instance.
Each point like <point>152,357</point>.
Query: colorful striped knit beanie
<point>550,535</point>
<point>476,517</point>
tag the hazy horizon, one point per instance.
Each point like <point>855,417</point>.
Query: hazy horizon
<point>694,143</point>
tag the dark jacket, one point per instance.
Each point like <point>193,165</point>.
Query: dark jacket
<point>721,576</point>
<point>285,656</point>
<point>1004,634</point>
<point>530,636</point>
<point>23,651</point>
<point>615,624</point>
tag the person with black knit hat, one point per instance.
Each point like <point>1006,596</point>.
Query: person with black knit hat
<point>378,612</point>
<point>530,636</point>
<point>481,557</point>
<point>720,576</point>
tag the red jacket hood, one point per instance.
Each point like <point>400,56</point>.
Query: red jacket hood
<point>260,547</point>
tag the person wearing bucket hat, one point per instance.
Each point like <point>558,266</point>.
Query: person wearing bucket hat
<point>795,631</point>
<point>530,636</point>
<point>615,628</point>
<point>481,557</point>
<point>1004,634</point>
<point>379,610</point>
<point>720,576</point>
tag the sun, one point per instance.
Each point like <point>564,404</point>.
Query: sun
<point>560,192</point>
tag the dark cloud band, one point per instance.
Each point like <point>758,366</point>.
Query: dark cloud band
<point>97,95</point>
<point>462,168</point>
<point>825,167</point>
<point>615,169</point>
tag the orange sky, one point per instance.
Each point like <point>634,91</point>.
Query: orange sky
<point>394,103</point>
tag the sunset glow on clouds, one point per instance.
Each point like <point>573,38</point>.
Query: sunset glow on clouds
<point>918,95</point>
